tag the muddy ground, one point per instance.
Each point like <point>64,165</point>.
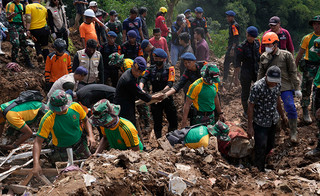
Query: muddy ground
<point>206,172</point>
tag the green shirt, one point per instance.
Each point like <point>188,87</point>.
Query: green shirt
<point>202,95</point>
<point>123,136</point>
<point>13,8</point>
<point>307,43</point>
<point>24,113</point>
<point>65,129</point>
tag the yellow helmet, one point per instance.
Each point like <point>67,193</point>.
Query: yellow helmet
<point>163,10</point>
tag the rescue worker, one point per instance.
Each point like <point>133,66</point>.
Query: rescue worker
<point>81,6</point>
<point>148,49</point>
<point>131,48</point>
<point>160,22</point>
<point>107,49</point>
<point>143,11</point>
<point>247,59</point>
<point>160,42</point>
<point>178,27</point>
<point>62,121</point>
<point>198,135</point>
<point>290,83</point>
<point>191,73</point>
<point>20,118</point>
<point>118,132</point>
<point>92,93</point>
<point>316,100</point>
<point>132,23</point>
<point>199,21</point>
<point>116,61</point>
<point>36,18</point>
<point>101,16</point>
<point>92,60</point>
<point>115,25</point>
<point>69,81</point>
<point>58,63</point>
<point>128,90</point>
<point>309,65</point>
<point>233,41</point>
<point>161,76</point>
<point>284,35</point>
<point>87,28</point>
<point>57,21</point>
<point>203,95</point>
<point>189,18</point>
<point>14,11</point>
<point>263,113</point>
<point>184,41</point>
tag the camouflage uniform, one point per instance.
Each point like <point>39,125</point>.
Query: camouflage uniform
<point>309,72</point>
<point>18,41</point>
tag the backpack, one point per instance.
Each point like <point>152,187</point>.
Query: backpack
<point>177,136</point>
<point>25,96</point>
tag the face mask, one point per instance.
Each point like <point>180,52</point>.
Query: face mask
<point>269,50</point>
<point>158,63</point>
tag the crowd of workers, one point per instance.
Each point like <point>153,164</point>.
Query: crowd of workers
<point>120,63</point>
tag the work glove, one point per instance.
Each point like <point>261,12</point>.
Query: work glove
<point>298,94</point>
<point>54,36</point>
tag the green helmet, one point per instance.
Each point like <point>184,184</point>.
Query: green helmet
<point>59,101</point>
<point>220,130</point>
<point>316,46</point>
<point>116,59</point>
<point>314,19</point>
<point>105,114</point>
<point>210,73</point>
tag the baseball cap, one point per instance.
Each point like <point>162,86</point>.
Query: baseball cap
<point>132,34</point>
<point>188,56</point>
<point>59,101</point>
<point>274,20</point>
<point>274,74</point>
<point>81,70</point>
<point>113,13</point>
<point>105,114</point>
<point>144,44</point>
<point>198,9</point>
<point>93,4</point>
<point>230,13</point>
<point>253,31</point>
<point>141,62</point>
<point>160,53</point>
<point>316,46</point>
<point>112,34</point>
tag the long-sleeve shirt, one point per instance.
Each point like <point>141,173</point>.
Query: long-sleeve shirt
<point>202,51</point>
<point>161,24</point>
<point>57,66</point>
<point>284,60</point>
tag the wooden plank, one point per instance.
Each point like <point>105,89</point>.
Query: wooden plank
<point>27,179</point>
<point>46,171</point>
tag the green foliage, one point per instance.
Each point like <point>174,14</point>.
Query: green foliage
<point>220,42</point>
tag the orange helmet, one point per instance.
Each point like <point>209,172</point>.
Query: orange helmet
<point>270,38</point>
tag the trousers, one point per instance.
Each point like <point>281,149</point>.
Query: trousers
<point>264,138</point>
<point>157,110</point>
<point>288,102</point>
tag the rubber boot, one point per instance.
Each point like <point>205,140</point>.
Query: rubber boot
<point>1,52</point>
<point>28,62</point>
<point>306,116</point>
<point>293,130</point>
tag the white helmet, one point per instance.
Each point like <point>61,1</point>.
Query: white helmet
<point>89,13</point>
<point>93,4</point>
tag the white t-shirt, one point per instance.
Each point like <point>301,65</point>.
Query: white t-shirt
<point>57,85</point>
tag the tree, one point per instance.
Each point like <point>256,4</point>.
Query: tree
<point>171,4</point>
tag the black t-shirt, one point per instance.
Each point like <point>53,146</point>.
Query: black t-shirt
<point>126,92</point>
<point>107,50</point>
<point>92,93</point>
